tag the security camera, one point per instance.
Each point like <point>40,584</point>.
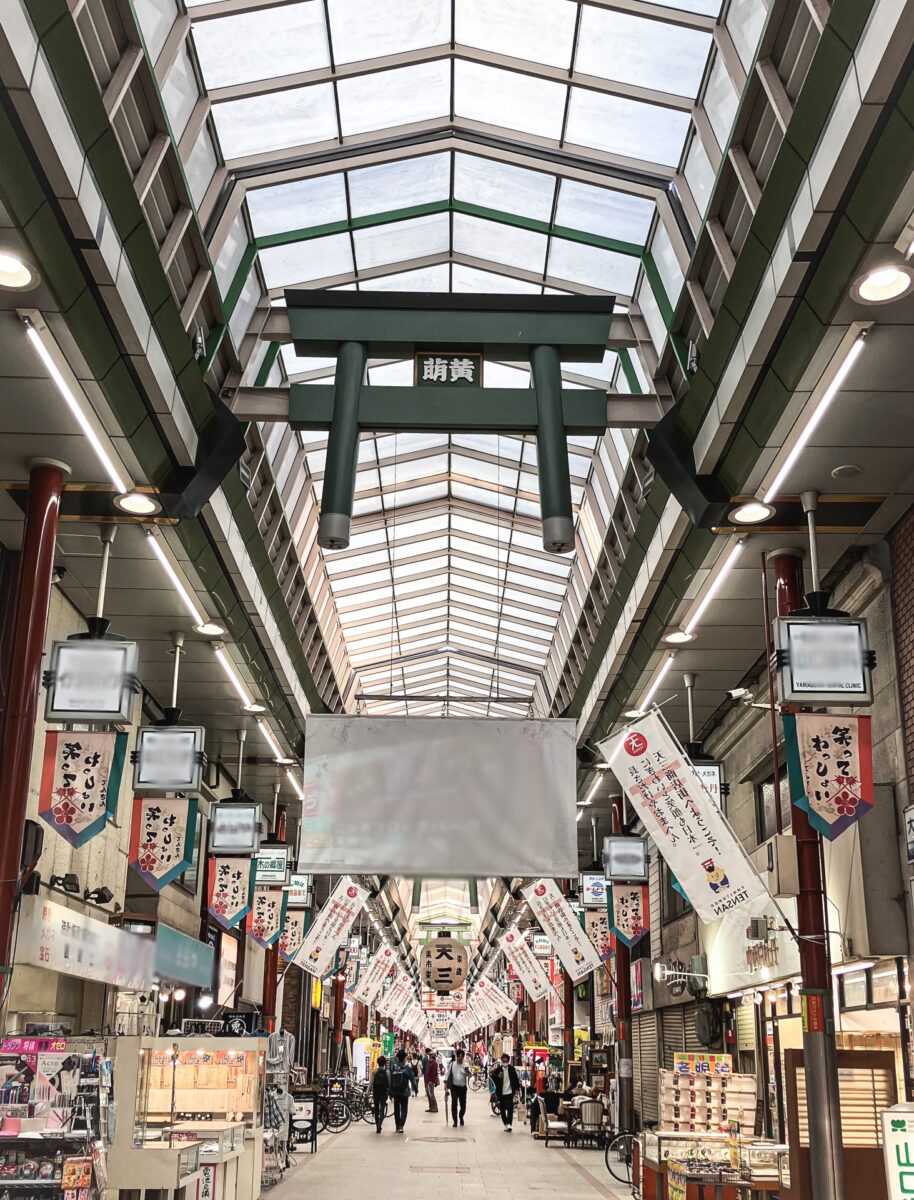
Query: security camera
<point>694,358</point>
<point>740,693</point>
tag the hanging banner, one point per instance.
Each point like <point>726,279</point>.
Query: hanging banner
<point>630,917</point>
<point>520,955</point>
<point>405,1002</point>
<point>445,1001</point>
<point>80,781</point>
<point>830,764</point>
<point>231,890</point>
<point>398,996</point>
<point>688,829</point>
<point>559,923</point>
<point>267,916</point>
<point>293,932</point>
<point>162,838</point>
<point>331,927</point>
<point>373,976</point>
<point>596,926</point>
<point>503,1005</point>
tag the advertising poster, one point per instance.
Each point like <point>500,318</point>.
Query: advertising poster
<point>267,916</point>
<point>331,927</point>
<point>231,890</point>
<point>80,780</point>
<point>629,908</point>
<point>596,924</point>
<point>162,838</point>
<point>372,979</point>
<point>293,932</point>
<point>519,954</point>
<point>493,999</point>
<point>560,924</point>
<point>830,764</point>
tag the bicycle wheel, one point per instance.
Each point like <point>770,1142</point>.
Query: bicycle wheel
<point>339,1115</point>
<point>619,1155</point>
<point>321,1115</point>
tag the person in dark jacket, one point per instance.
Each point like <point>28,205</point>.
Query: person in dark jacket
<point>402,1082</point>
<point>507,1085</point>
<point>380,1090</point>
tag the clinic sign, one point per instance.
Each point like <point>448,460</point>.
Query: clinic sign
<point>823,660</point>
<point>898,1150</point>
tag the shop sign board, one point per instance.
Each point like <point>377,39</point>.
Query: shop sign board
<point>830,764</point>
<point>443,368</point>
<point>523,959</point>
<point>823,660</point>
<point>168,758</point>
<point>898,1150</point>
<point>677,1180</point>
<point>690,832</point>
<point>162,838</point>
<point>372,979</point>
<point>561,926</point>
<point>300,890</point>
<point>702,1064</point>
<point>61,939</point>
<point>92,679</point>
<point>711,775</point>
<point>542,947</point>
<point>443,964</point>
<point>234,827</point>
<point>80,781</point>
<point>592,890</point>
<point>331,927</point>
<point>454,1001</point>
<point>272,867</point>
<point>183,959</point>
<point>206,1184</point>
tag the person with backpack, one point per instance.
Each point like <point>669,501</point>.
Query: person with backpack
<point>402,1082</point>
<point>380,1090</point>
<point>458,1078</point>
<point>506,1084</point>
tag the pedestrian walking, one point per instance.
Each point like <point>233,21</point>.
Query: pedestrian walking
<point>457,1081</point>
<point>432,1079</point>
<point>506,1084</point>
<point>402,1083</point>
<point>380,1091</point>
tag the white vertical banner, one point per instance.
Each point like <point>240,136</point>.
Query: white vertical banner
<point>331,928</point>
<point>470,1020</point>
<point>559,923</point>
<point>485,1004</point>
<point>398,994</point>
<point>495,998</point>
<point>372,979</point>
<point>406,1000</point>
<point>682,820</point>
<point>519,954</point>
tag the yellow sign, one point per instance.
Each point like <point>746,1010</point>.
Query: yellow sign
<point>733,1144</point>
<point>676,1180</point>
<point>315,992</point>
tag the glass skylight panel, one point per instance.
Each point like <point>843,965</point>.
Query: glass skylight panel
<point>413,468</point>
<point>200,166</point>
<point>699,175</point>
<point>720,101</point>
<point>303,262</point>
<point>745,21</point>
<point>155,18</point>
<point>498,375</point>
<point>579,263</point>
<point>541,30</point>
<point>231,254</point>
<point>604,212</point>
<point>602,371</point>
<point>300,366</point>
<point>180,93</point>
<point>492,184</point>
<point>469,279</point>
<point>259,124</point>
<point>667,264</point>
<point>244,309</point>
<point>399,241</point>
<point>399,184</point>
<point>626,127</point>
<point>635,50</point>
<point>282,40</point>
<point>395,97</point>
<point>499,243</point>
<point>426,279</point>
<point>395,374</point>
<point>508,99</point>
<point>705,8</point>
<point>298,205</point>
<point>361,31</point>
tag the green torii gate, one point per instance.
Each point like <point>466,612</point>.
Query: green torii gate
<point>447,335</point>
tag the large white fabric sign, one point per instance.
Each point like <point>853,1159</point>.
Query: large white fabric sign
<point>398,995</point>
<point>559,923</point>
<point>485,1010</point>
<point>521,957</point>
<point>331,928</point>
<point>686,826</point>
<point>503,1005</point>
<point>372,980</point>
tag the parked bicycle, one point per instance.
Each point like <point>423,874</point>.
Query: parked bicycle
<point>620,1153</point>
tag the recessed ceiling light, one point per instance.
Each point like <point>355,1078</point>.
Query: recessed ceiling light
<point>753,512</point>
<point>14,273</point>
<point>846,471</point>
<point>209,629</point>
<point>678,637</point>
<point>254,707</point>
<point>883,284</point>
<point>633,714</point>
<point>138,504</point>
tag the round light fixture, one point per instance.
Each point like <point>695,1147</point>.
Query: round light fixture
<point>753,512</point>
<point>205,1002</point>
<point>286,762</point>
<point>883,284</point>
<point>138,504</point>
<point>633,714</point>
<point>179,994</point>
<point>846,471</point>
<point>209,629</point>
<point>14,273</point>
<point>254,707</point>
<point>678,637</point>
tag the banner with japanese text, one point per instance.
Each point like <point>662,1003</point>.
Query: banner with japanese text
<point>162,838</point>
<point>267,916</point>
<point>372,980</point>
<point>596,926</point>
<point>495,998</point>
<point>293,932</point>
<point>830,764</point>
<point>331,927</point>
<point>520,955</point>
<point>404,1003</point>
<point>396,997</point>
<point>558,921</point>
<point>80,781</point>
<point>682,820</point>
<point>231,890</point>
<point>629,913</point>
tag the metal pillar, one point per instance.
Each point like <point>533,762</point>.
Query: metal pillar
<point>271,954</point>
<point>826,1150</point>
<point>342,448</point>
<point>625,1097</point>
<point>552,451</point>
<point>33,595</point>
<point>568,1032</point>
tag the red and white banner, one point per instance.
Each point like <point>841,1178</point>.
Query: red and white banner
<point>293,932</point>
<point>558,921</point>
<point>630,915</point>
<point>231,890</point>
<point>267,916</point>
<point>404,1002</point>
<point>830,762</point>
<point>80,780</point>
<point>372,978</point>
<point>331,927</point>
<point>397,998</point>
<point>162,838</point>
<point>596,925</point>
<point>521,957</point>
<point>494,998</point>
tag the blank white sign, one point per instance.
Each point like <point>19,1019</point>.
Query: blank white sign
<point>439,797</point>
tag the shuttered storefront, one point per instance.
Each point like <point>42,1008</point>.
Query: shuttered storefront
<point>645,1063</point>
<point>678,1032</point>
<point>745,1037</point>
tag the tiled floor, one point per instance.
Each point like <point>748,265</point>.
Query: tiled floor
<point>437,1162</point>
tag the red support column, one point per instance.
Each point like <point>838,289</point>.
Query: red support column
<point>271,955</point>
<point>36,566</point>
<point>625,1097</point>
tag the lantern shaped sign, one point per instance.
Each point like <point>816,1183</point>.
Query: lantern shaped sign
<point>443,964</point>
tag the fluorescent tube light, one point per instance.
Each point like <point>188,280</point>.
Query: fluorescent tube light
<point>197,616</point>
<point>224,662</point>
<point>715,587</point>
<point>661,675</point>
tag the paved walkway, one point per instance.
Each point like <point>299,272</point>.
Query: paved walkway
<point>434,1161</point>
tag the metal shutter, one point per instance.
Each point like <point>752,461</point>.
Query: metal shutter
<point>745,1028</point>
<point>645,1055</point>
<point>692,1044</point>
<point>673,1028</point>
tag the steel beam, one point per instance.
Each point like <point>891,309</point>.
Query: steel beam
<point>342,448</point>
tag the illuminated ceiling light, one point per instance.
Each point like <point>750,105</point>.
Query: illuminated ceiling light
<point>76,410</point>
<point>632,714</point>
<point>232,676</point>
<point>883,284</point>
<point>179,993</point>
<point>195,614</point>
<point>580,814</point>
<point>828,395</point>
<point>588,799</point>
<point>296,786</point>
<point>15,274</point>
<point>267,735</point>
<point>138,504</point>
<point>661,675</point>
<point>677,637</point>
<point>209,629</point>
<point>729,561</point>
<point>753,512</point>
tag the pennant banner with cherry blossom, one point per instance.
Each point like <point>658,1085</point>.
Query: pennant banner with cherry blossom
<point>830,764</point>
<point>293,932</point>
<point>162,838</point>
<point>230,890</point>
<point>629,913</point>
<point>268,915</point>
<point>80,781</point>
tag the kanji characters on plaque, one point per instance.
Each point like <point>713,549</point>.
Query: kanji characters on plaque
<point>162,838</point>
<point>80,780</point>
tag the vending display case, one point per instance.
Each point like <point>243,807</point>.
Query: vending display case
<point>219,1140</point>
<point>660,1147</point>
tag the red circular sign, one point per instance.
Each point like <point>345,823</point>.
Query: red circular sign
<point>352,892</point>
<point>635,744</point>
<point>510,937</point>
<point>540,889</point>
